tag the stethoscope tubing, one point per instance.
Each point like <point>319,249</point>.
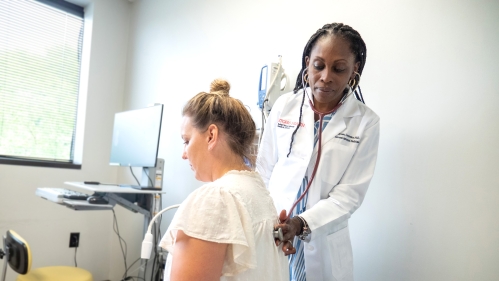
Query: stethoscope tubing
<point>314,171</point>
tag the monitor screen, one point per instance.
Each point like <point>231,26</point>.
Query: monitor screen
<point>136,137</point>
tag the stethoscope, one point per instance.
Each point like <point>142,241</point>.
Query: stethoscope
<point>278,232</point>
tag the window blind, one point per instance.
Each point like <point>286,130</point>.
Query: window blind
<point>40,55</point>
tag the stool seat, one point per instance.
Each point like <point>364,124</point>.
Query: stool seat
<point>56,273</point>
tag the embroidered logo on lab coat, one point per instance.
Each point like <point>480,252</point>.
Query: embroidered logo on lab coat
<point>286,124</point>
<point>348,138</point>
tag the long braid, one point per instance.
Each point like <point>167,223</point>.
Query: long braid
<point>297,126</point>
<point>357,46</point>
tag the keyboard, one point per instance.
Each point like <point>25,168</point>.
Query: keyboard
<point>58,195</point>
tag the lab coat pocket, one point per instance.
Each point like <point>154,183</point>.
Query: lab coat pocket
<point>340,253</point>
<point>334,161</point>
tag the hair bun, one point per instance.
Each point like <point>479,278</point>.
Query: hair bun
<point>220,85</point>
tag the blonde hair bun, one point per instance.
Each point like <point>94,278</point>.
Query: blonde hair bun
<point>220,85</point>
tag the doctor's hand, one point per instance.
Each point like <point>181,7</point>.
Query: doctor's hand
<point>290,228</point>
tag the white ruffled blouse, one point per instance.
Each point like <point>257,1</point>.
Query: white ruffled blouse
<point>237,210</point>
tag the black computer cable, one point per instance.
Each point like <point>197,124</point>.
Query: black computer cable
<point>155,260</point>
<point>159,270</point>
<point>131,170</point>
<point>156,231</point>
<point>155,274</point>
<point>153,269</point>
<point>133,277</point>
<point>130,266</point>
<point>138,183</point>
<point>121,241</point>
<point>148,176</point>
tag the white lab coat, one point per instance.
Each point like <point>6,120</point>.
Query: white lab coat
<point>349,151</point>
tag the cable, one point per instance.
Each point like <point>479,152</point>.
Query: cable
<point>151,239</point>
<point>124,252</point>
<point>130,266</point>
<point>154,263</point>
<point>148,176</point>
<point>76,265</point>
<point>155,260</point>
<point>134,176</point>
<point>143,171</point>
<point>159,270</point>
<point>147,261</point>
<point>157,237</point>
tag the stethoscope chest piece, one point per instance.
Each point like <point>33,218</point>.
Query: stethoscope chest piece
<point>278,234</point>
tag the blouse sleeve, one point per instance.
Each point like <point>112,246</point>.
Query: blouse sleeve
<point>214,214</point>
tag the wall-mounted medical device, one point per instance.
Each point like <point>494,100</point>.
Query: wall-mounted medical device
<point>273,81</point>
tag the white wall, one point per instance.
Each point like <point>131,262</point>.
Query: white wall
<point>431,211</point>
<point>45,225</point>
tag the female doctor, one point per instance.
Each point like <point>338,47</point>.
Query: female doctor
<point>342,152</point>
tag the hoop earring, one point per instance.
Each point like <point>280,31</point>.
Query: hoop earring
<point>304,78</point>
<point>353,82</point>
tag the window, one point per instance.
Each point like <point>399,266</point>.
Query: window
<point>40,58</point>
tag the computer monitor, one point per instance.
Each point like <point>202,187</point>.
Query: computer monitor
<point>136,135</point>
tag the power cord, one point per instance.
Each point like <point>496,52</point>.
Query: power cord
<point>148,176</point>
<point>133,278</point>
<point>157,233</point>
<point>133,271</point>
<point>131,170</point>
<point>76,265</point>
<point>156,269</point>
<point>123,251</point>
<point>157,237</point>
<point>143,170</point>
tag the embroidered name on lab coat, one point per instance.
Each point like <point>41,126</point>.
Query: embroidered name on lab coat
<point>348,138</point>
<point>286,124</point>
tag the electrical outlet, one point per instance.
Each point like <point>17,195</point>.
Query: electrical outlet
<point>74,239</point>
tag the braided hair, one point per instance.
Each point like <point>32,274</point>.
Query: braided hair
<point>357,46</point>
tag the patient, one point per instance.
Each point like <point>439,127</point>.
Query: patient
<point>223,230</point>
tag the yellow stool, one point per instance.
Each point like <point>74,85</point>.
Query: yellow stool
<point>57,273</point>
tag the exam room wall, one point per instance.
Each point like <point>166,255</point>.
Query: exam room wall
<point>431,210</point>
<point>45,225</point>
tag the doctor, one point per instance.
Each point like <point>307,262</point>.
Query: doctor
<point>332,64</point>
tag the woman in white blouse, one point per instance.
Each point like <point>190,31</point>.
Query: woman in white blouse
<point>223,230</point>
